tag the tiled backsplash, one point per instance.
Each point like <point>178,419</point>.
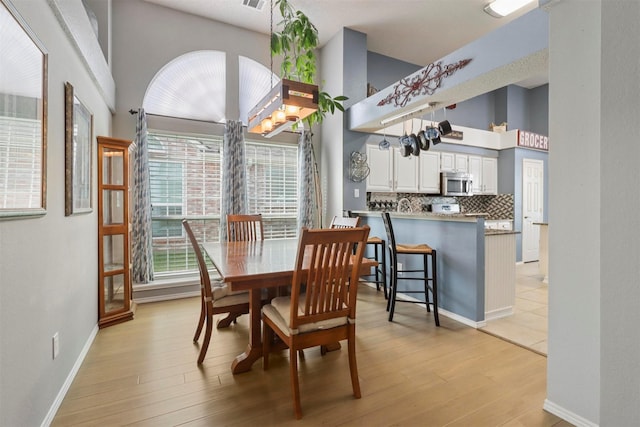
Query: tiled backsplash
<point>497,207</point>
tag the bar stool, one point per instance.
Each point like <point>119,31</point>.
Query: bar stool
<point>430,282</point>
<point>380,272</point>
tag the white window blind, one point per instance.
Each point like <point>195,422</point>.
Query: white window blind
<point>185,178</point>
<point>186,183</point>
<point>20,163</point>
<point>272,181</point>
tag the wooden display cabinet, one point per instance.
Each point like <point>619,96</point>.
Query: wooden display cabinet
<point>114,289</point>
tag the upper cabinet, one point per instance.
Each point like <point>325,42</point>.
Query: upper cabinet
<point>380,177</point>
<point>406,173</point>
<point>391,172</point>
<point>429,172</point>
<point>454,162</point>
<point>485,174</point>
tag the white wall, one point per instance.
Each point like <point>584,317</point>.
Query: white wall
<point>146,37</point>
<point>331,152</point>
<point>573,379</point>
<point>619,228</point>
<point>594,252</point>
<point>48,265</point>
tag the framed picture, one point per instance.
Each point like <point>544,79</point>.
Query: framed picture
<point>23,118</point>
<point>78,138</point>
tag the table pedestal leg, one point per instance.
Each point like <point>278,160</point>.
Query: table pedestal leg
<point>253,352</point>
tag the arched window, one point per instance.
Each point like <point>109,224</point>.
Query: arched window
<point>185,164</point>
<point>192,86</point>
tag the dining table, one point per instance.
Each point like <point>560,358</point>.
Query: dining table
<point>253,266</point>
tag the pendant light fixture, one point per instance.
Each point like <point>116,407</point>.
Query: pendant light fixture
<point>286,103</point>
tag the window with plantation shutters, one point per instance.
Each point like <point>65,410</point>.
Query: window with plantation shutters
<point>272,180</point>
<point>186,179</point>
<point>20,163</point>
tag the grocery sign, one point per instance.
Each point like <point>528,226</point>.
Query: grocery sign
<point>533,140</point>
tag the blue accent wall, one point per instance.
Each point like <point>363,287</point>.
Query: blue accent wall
<point>460,260</point>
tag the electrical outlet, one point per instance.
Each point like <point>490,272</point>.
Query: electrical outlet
<point>55,341</point>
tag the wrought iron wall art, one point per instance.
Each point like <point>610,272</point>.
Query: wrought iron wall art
<point>358,167</point>
<point>425,83</point>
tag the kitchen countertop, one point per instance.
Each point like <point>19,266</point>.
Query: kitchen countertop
<point>461,217</point>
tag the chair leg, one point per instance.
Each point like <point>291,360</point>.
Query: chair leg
<point>353,366</point>
<point>426,282</point>
<point>434,287</point>
<point>207,337</point>
<point>393,291</point>
<point>295,385</point>
<point>203,309</point>
<point>375,254</point>
<point>383,267</point>
<point>225,322</point>
<point>267,338</point>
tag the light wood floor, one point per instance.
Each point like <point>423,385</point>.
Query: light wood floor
<point>144,373</point>
<point>528,325</point>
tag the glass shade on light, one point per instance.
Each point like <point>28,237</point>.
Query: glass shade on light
<point>266,126</point>
<point>292,112</point>
<point>500,8</point>
<point>279,116</point>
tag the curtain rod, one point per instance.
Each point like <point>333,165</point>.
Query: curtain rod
<point>133,112</point>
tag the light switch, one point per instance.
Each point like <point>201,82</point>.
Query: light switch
<point>356,192</point>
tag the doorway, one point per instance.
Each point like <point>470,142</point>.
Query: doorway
<point>532,206</point>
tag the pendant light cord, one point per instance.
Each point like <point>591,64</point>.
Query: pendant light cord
<point>270,37</point>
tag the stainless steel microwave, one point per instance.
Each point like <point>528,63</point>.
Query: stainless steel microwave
<point>456,184</point>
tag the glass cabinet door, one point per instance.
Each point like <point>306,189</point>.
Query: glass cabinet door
<point>113,231</point>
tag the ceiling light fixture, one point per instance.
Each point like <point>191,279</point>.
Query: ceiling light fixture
<point>287,103</point>
<point>502,8</point>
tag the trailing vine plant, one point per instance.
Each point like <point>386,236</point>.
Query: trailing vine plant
<point>296,42</point>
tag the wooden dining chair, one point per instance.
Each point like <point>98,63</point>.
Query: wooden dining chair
<point>244,227</point>
<point>344,222</point>
<point>215,299</point>
<point>326,310</point>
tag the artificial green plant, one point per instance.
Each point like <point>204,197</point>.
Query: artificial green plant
<point>296,42</point>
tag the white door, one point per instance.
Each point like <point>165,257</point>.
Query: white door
<point>532,200</point>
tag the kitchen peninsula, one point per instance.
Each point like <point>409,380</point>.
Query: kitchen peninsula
<point>476,267</point>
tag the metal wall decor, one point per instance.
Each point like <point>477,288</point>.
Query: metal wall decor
<point>425,83</point>
<point>358,167</point>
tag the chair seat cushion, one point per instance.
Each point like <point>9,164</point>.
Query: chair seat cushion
<point>279,312</point>
<point>375,240</point>
<point>413,249</point>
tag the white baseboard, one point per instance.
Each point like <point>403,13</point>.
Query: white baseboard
<point>67,383</point>
<point>497,314</point>
<point>567,415</point>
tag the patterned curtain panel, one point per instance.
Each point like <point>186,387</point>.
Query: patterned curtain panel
<point>234,175</point>
<point>142,250</point>
<point>306,182</point>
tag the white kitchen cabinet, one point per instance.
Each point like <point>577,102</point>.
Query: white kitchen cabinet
<point>381,169</point>
<point>389,171</point>
<point>462,162</point>
<point>447,162</point>
<point>485,174</point>
<point>405,173</point>
<point>498,224</point>
<point>429,181</point>
<point>475,169</point>
<point>453,162</point>
<point>489,175</point>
